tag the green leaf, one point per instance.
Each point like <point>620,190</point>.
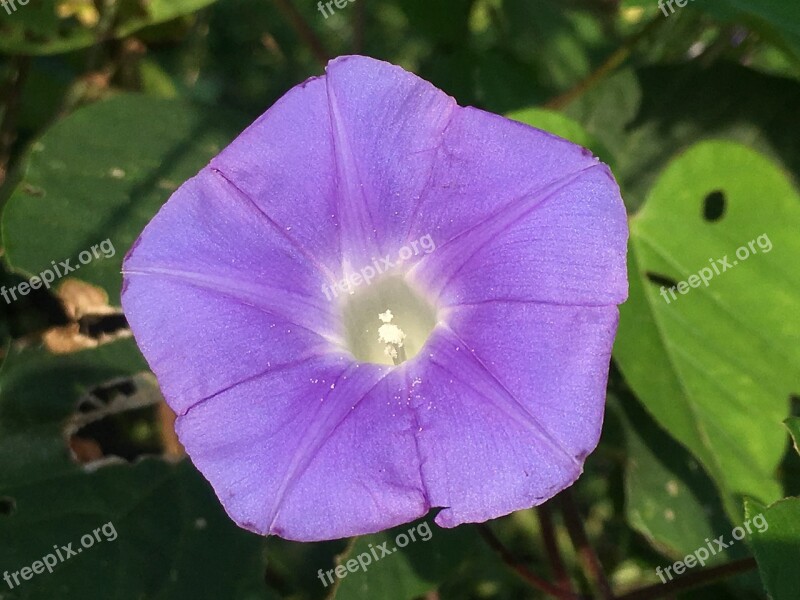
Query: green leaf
<point>295,565</point>
<point>102,174</point>
<point>669,498</point>
<point>443,24</point>
<point>38,391</point>
<point>160,11</point>
<point>558,40</point>
<point>167,521</point>
<point>405,572</point>
<point>715,366</point>
<point>503,81</point>
<point>777,546</point>
<point>155,81</point>
<point>165,516</point>
<point>777,20</point>
<point>57,26</point>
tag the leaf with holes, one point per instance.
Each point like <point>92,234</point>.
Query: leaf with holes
<point>164,517</point>
<point>38,393</point>
<point>647,116</point>
<point>709,339</point>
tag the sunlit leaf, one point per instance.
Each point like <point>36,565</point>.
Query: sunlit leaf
<point>716,360</point>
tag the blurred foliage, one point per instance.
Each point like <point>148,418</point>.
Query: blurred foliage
<point>106,106</point>
<point>777,547</point>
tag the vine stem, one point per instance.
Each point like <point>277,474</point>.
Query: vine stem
<point>586,554</point>
<point>653,592</point>
<point>613,62</point>
<point>557,566</point>
<point>534,580</point>
<point>303,30</point>
<point>691,581</point>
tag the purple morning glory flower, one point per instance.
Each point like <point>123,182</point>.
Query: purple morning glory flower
<point>375,302</point>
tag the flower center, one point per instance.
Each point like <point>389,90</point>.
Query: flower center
<point>387,322</point>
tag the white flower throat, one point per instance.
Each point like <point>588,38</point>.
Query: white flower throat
<point>387,322</point>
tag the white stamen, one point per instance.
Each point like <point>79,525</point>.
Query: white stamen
<point>393,337</point>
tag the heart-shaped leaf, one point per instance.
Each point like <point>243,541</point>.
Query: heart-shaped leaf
<point>709,339</point>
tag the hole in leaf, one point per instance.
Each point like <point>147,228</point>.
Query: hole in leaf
<point>7,506</point>
<point>122,419</point>
<point>714,206</point>
<point>127,435</point>
<point>33,313</point>
<point>104,394</point>
<point>91,321</point>
<point>96,326</point>
<point>661,279</point>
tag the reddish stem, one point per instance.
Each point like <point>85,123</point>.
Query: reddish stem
<point>303,30</point>
<point>586,554</point>
<point>521,570</point>
<point>557,566</point>
<point>691,581</point>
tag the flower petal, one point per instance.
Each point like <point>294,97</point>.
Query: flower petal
<point>224,295</point>
<point>284,162</point>
<point>387,126</point>
<point>483,164</point>
<point>341,161</point>
<point>232,296</point>
<point>565,244</point>
<point>510,401</point>
<point>320,450</point>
